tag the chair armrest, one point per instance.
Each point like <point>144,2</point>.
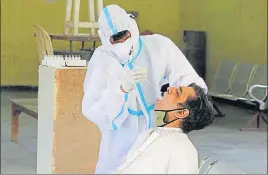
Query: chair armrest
<point>260,101</point>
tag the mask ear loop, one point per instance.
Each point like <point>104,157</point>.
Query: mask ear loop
<point>168,122</point>
<point>166,111</point>
<point>178,109</point>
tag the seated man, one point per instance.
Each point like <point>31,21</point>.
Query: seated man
<point>167,149</point>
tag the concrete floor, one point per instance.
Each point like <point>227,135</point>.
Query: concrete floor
<point>245,150</point>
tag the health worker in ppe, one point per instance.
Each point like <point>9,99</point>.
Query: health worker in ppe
<point>118,89</point>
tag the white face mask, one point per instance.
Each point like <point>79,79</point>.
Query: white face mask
<point>122,51</point>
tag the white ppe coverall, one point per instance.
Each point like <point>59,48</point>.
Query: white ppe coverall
<point>122,116</point>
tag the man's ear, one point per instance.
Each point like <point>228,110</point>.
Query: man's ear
<point>182,113</point>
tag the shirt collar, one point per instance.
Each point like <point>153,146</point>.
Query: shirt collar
<point>169,129</point>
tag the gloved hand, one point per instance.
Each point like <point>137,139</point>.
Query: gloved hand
<point>132,77</point>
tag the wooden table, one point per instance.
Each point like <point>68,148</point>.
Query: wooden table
<point>80,38</point>
<point>28,106</point>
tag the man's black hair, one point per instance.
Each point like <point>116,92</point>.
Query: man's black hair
<point>201,111</point>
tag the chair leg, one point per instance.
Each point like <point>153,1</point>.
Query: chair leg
<point>265,120</point>
<point>219,113</point>
<point>15,123</point>
<point>256,118</point>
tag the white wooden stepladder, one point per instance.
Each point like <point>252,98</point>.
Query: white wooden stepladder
<point>75,24</point>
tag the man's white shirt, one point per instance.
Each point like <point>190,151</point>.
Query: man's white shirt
<point>161,151</point>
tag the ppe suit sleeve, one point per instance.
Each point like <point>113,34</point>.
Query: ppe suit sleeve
<point>183,162</point>
<point>179,71</point>
<point>103,97</point>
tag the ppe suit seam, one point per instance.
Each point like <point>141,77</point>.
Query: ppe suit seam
<point>109,20</point>
<point>144,103</point>
<point>139,113</point>
<point>139,86</point>
<point>120,113</point>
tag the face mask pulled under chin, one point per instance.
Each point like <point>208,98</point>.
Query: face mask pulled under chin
<point>122,51</point>
<point>164,113</point>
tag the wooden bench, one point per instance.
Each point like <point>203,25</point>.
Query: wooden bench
<point>27,106</point>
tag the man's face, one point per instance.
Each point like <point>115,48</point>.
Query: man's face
<point>172,100</point>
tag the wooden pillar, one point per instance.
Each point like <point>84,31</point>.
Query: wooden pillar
<point>73,22</point>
